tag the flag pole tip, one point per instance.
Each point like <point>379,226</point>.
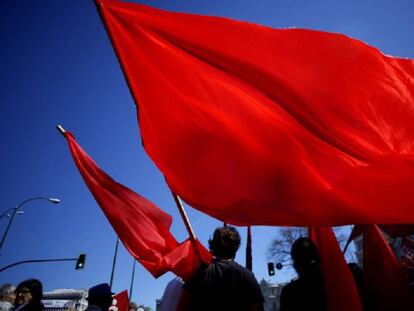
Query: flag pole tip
<point>61,129</point>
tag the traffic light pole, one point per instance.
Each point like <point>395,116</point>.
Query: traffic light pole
<point>37,260</point>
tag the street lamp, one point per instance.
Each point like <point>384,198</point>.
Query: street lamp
<point>15,210</point>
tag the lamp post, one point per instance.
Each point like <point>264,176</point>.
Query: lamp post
<point>14,210</point>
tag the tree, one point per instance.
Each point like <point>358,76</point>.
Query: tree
<point>279,248</point>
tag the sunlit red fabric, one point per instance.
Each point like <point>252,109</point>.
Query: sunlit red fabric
<point>341,290</point>
<point>255,125</point>
<point>141,226</point>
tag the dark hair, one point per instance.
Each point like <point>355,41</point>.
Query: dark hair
<point>225,242</point>
<point>34,286</point>
<point>100,295</point>
<point>304,254</point>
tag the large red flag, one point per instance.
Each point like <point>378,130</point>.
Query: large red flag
<point>385,284</point>
<point>254,125</point>
<point>141,226</point>
<point>340,287</point>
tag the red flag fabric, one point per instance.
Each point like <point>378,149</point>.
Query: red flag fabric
<point>385,285</point>
<point>142,227</point>
<point>261,126</point>
<point>120,302</point>
<point>341,290</point>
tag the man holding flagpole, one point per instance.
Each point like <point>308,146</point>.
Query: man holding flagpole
<point>223,284</point>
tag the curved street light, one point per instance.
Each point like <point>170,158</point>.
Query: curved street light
<point>15,210</point>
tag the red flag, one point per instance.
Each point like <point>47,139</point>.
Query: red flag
<point>120,302</point>
<point>141,226</point>
<point>254,125</point>
<point>341,290</point>
<point>385,285</point>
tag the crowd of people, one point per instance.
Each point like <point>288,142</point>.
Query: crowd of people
<point>27,296</point>
<point>221,285</point>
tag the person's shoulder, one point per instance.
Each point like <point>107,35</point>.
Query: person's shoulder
<point>240,268</point>
<point>291,287</point>
<point>33,306</point>
<point>92,308</point>
<point>230,264</point>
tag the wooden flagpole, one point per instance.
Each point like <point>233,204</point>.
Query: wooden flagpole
<point>184,216</point>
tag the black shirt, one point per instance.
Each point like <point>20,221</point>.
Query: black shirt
<point>223,285</point>
<point>304,294</point>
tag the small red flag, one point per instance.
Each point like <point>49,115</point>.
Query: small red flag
<point>120,302</point>
<point>261,126</point>
<point>143,228</point>
<point>341,290</point>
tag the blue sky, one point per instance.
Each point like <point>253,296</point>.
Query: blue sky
<point>57,66</point>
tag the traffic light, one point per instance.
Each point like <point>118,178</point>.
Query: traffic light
<point>271,268</point>
<point>80,263</point>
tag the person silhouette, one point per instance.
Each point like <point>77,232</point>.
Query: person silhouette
<point>29,294</point>
<point>223,284</point>
<point>307,292</point>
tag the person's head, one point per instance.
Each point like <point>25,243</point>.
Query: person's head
<point>305,256</point>
<point>133,306</point>
<point>29,291</point>
<point>225,242</point>
<point>7,293</point>
<point>100,295</point>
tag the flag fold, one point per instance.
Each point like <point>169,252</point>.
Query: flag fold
<point>340,287</point>
<point>385,283</point>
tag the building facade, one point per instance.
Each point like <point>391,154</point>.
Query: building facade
<point>271,293</point>
<point>65,299</point>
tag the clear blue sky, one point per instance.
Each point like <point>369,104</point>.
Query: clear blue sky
<point>57,66</point>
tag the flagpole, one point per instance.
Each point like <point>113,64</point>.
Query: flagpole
<point>61,129</point>
<point>249,258</point>
<point>132,281</point>
<point>184,216</point>
<point>114,262</point>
